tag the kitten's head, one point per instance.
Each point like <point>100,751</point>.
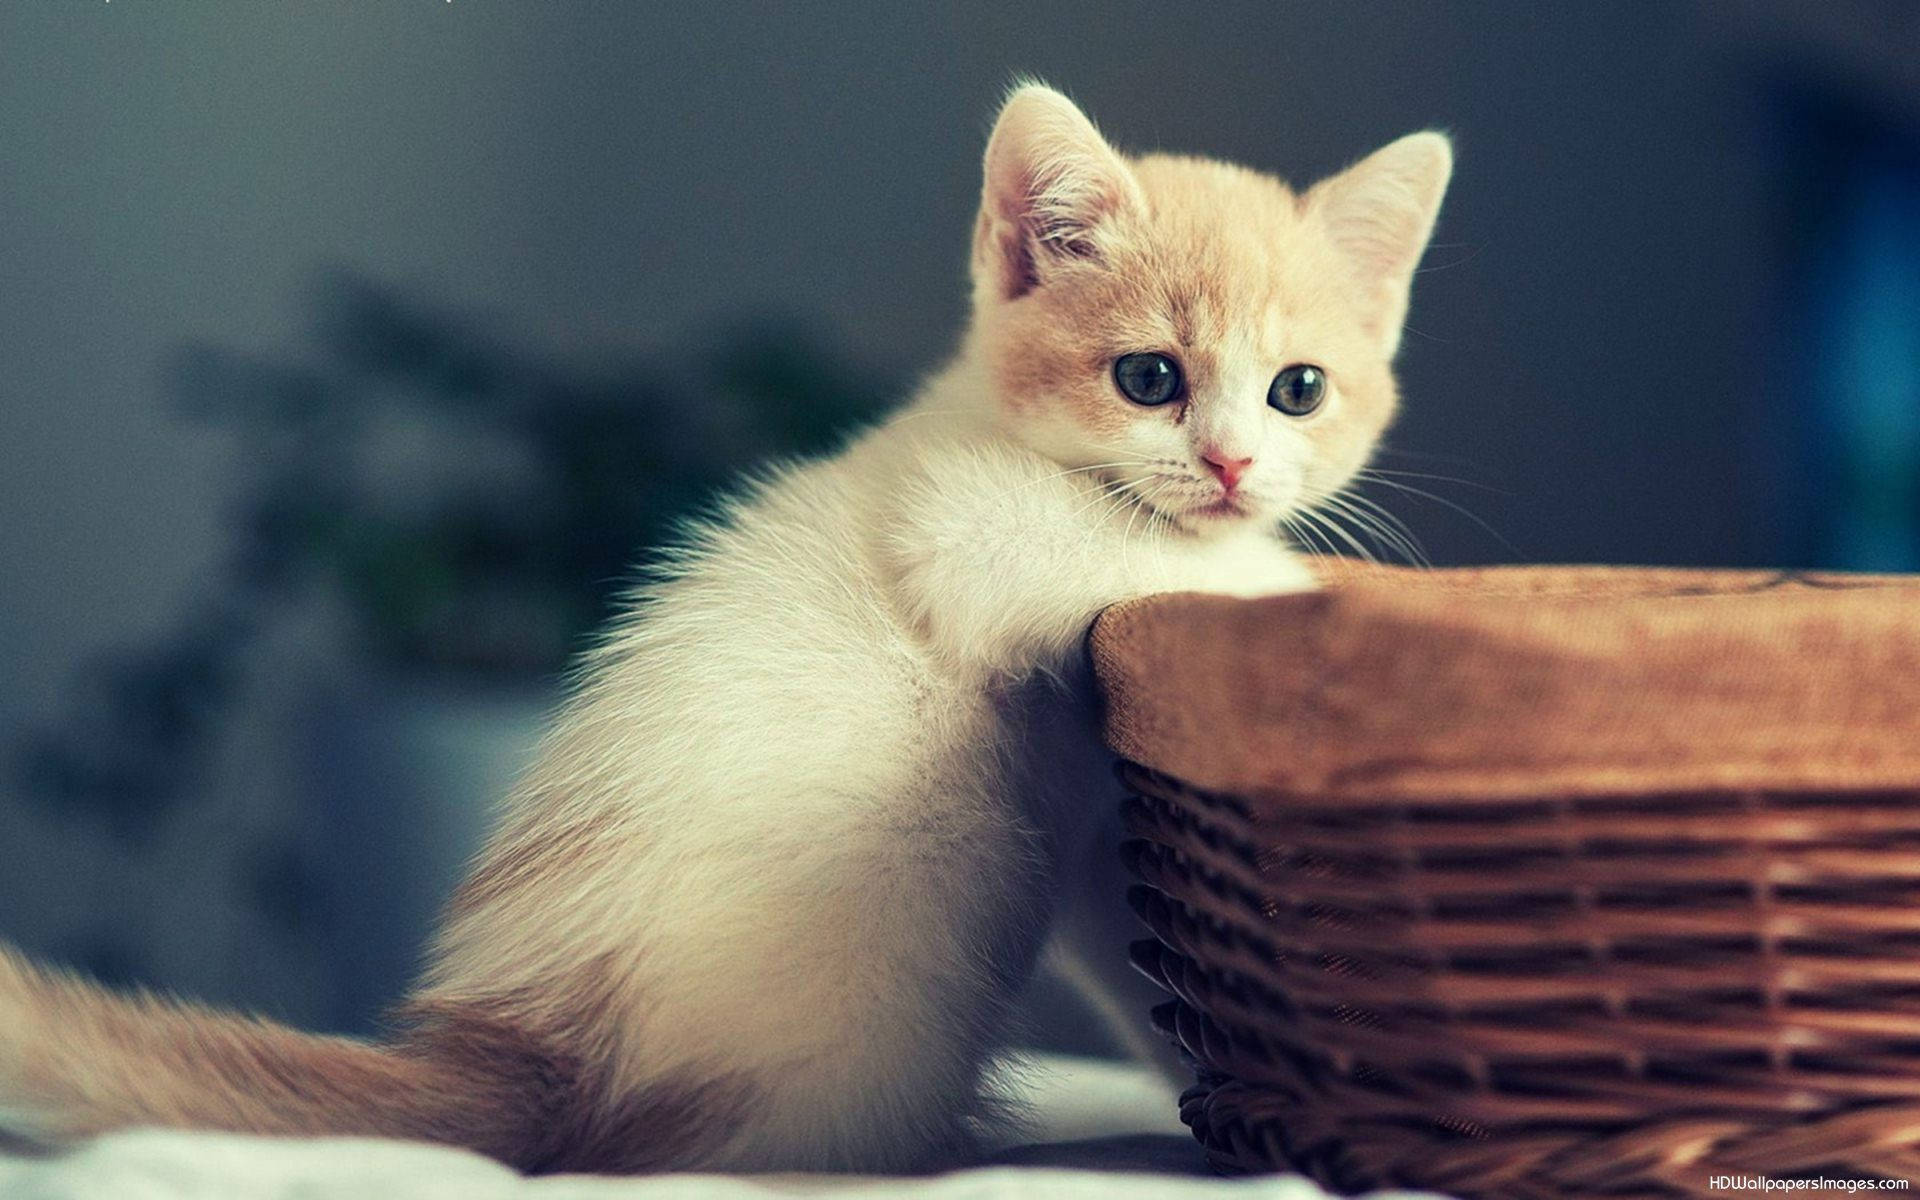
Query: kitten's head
<point>1194,332</point>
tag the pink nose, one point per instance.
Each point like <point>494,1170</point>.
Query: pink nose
<point>1228,469</point>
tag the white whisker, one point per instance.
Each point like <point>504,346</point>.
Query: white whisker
<point>1299,533</point>
<point>1442,500</point>
<point>1325,522</point>
<point>1380,472</point>
<point>1389,530</point>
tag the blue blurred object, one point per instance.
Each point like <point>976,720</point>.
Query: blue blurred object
<point>1858,380</point>
<point>1872,339</point>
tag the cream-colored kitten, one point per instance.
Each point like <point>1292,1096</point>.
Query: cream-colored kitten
<point>795,840</point>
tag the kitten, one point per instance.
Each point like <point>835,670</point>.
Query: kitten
<point>795,839</point>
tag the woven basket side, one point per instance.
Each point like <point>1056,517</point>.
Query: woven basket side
<point>1547,997</point>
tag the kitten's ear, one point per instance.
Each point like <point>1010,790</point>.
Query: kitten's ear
<point>1380,212</point>
<point>1053,192</point>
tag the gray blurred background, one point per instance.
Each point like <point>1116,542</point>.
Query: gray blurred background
<point>318,322</point>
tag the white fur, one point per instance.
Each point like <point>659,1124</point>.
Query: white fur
<point>833,864</point>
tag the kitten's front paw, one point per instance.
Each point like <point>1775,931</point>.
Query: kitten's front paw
<point>1264,572</point>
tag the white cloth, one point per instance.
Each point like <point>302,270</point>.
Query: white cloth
<point>1106,1132</point>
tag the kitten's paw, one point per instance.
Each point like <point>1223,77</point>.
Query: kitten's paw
<point>1251,575</point>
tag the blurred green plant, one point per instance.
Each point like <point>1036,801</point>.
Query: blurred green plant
<point>478,507</point>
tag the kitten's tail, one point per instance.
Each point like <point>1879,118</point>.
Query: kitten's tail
<point>76,1060</point>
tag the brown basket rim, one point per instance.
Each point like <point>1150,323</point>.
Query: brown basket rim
<point>1520,682</point>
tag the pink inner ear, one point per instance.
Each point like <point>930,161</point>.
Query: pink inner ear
<point>1381,211</point>
<point>1029,229</point>
<point>1382,244</point>
<point>1051,180</point>
<point>1009,231</point>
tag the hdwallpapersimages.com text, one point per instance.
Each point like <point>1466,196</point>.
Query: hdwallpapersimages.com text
<point>1766,1183</point>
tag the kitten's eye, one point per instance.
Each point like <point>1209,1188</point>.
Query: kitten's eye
<point>1147,378</point>
<point>1298,390</point>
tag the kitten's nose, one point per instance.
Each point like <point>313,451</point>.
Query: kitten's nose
<point>1229,470</point>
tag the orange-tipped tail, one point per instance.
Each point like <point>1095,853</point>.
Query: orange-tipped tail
<point>77,1060</point>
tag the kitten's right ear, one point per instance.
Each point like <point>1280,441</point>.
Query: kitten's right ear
<point>1053,191</point>
<point>1380,213</point>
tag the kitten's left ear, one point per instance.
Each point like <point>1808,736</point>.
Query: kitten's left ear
<point>1053,193</point>
<point>1380,213</point>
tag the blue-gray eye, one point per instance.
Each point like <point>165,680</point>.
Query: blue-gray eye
<point>1147,378</point>
<point>1298,390</point>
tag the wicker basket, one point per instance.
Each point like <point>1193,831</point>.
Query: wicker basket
<point>1534,882</point>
